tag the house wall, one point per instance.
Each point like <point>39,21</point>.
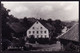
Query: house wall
<point>36,29</point>
<point>64,30</point>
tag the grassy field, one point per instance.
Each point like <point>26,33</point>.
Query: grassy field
<point>46,47</point>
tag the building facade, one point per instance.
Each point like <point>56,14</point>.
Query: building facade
<point>38,31</point>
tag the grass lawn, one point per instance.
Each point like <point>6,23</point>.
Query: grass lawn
<point>46,47</point>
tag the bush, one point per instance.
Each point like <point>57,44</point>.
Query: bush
<point>43,40</point>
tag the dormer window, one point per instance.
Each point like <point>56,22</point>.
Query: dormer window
<point>33,27</point>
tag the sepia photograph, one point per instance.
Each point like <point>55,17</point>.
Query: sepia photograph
<point>40,26</point>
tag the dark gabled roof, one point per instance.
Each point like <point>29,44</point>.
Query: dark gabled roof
<point>47,25</point>
<point>72,34</point>
<point>17,27</point>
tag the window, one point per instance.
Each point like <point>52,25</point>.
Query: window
<point>29,32</point>
<point>44,31</point>
<point>37,32</point>
<point>33,27</point>
<point>33,31</point>
<point>41,27</point>
<point>41,31</point>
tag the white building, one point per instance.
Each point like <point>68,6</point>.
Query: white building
<point>39,30</point>
<point>64,30</point>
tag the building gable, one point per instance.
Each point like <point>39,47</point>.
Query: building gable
<point>38,29</point>
<point>37,25</point>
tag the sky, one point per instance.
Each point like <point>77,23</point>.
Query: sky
<point>63,10</point>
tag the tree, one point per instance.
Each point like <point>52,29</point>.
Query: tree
<point>5,28</point>
<point>58,27</point>
<point>5,44</point>
<point>13,19</point>
<point>32,39</point>
<point>25,19</point>
<point>26,23</point>
<point>50,21</point>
